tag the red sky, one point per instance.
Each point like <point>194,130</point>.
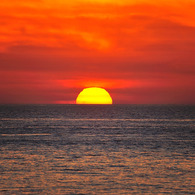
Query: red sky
<point>140,51</point>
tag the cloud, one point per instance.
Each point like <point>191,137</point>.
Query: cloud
<point>138,47</point>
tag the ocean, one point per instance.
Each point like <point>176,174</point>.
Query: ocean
<point>97,149</point>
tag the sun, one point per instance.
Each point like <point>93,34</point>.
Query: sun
<point>94,95</point>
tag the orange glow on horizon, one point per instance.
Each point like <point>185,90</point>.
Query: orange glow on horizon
<point>94,95</point>
<point>141,50</point>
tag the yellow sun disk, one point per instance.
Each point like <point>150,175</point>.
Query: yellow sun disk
<point>94,95</point>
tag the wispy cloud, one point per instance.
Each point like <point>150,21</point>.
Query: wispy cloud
<point>118,44</point>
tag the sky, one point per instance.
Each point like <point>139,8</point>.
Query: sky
<point>140,51</point>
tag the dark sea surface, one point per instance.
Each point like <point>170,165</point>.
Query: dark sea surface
<point>97,149</point>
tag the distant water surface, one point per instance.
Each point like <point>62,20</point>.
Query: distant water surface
<point>97,149</point>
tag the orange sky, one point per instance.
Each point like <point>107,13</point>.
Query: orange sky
<point>141,51</point>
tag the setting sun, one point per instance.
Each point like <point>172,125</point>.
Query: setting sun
<point>94,95</point>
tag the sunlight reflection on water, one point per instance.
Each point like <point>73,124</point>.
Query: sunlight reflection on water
<point>96,155</point>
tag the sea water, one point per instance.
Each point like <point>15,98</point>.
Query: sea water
<point>97,149</point>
